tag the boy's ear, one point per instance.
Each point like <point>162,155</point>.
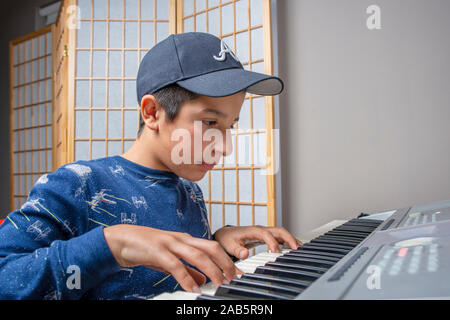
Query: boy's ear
<point>150,111</point>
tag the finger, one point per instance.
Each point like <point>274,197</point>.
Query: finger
<point>198,277</point>
<point>216,253</point>
<point>284,236</point>
<point>199,259</point>
<point>240,252</point>
<point>172,265</point>
<point>270,240</point>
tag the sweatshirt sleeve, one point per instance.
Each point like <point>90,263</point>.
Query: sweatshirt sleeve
<point>46,248</point>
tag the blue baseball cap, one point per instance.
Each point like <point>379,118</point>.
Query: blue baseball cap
<point>203,64</point>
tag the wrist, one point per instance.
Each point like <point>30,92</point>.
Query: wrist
<point>116,242</point>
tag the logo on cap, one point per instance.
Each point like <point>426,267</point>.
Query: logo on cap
<point>224,48</point>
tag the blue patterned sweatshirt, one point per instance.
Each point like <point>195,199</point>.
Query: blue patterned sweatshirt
<point>53,247</point>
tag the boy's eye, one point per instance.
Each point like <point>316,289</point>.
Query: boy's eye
<point>209,122</point>
<point>214,122</point>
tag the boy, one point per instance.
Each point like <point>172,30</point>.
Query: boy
<point>135,225</point>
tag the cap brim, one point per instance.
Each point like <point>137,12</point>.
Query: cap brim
<point>226,82</point>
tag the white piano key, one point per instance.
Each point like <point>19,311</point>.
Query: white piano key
<point>177,295</point>
<point>209,288</point>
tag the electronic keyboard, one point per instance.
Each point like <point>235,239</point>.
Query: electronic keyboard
<point>398,254</point>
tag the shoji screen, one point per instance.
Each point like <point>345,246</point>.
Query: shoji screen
<point>31,112</point>
<point>112,37</point>
<point>239,191</point>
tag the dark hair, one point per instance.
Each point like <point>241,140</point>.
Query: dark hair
<point>170,98</point>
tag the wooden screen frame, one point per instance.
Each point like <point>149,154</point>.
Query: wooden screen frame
<point>12,129</point>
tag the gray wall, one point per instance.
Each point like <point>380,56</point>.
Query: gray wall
<point>365,118</point>
<point>17,18</point>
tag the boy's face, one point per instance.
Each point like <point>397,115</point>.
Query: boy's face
<point>199,136</point>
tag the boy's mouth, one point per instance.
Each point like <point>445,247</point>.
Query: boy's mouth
<point>208,166</point>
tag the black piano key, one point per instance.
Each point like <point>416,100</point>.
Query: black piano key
<point>296,266</point>
<point>300,284</point>
<point>355,229</point>
<point>359,225</point>
<point>243,292</point>
<point>337,238</point>
<point>306,261</point>
<point>337,242</point>
<point>331,244</point>
<point>303,249</point>
<point>268,285</point>
<point>318,247</point>
<point>290,273</point>
<point>361,222</point>
<point>315,255</point>
<point>350,234</point>
<point>365,222</point>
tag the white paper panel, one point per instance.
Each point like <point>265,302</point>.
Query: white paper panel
<point>99,63</point>
<point>85,8</point>
<point>131,9</point>
<point>98,124</point>
<point>98,93</point>
<point>201,22</point>
<point>261,183</point>
<point>114,148</point>
<point>162,31</point>
<point>245,185</point>
<point>216,217</point>
<point>216,185</point>
<point>257,44</point>
<point>230,214</point>
<point>99,40</point>
<point>81,150</point>
<point>115,34</point>
<point>115,64</point>
<point>115,94</point>
<point>245,215</point>
<point>230,185</point>
<point>213,25</point>
<point>147,11</point>
<point>114,124</point>
<point>116,9</point>
<point>242,15</point>
<point>162,9</point>
<point>82,124</point>
<point>259,113</point>
<point>130,123</point>
<point>98,149</point>
<point>227,19</point>
<point>256,15</point>
<point>147,36</point>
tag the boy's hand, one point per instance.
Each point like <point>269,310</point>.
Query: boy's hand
<point>235,240</point>
<point>162,250</point>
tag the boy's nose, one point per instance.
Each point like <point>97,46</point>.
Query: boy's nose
<point>225,148</point>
